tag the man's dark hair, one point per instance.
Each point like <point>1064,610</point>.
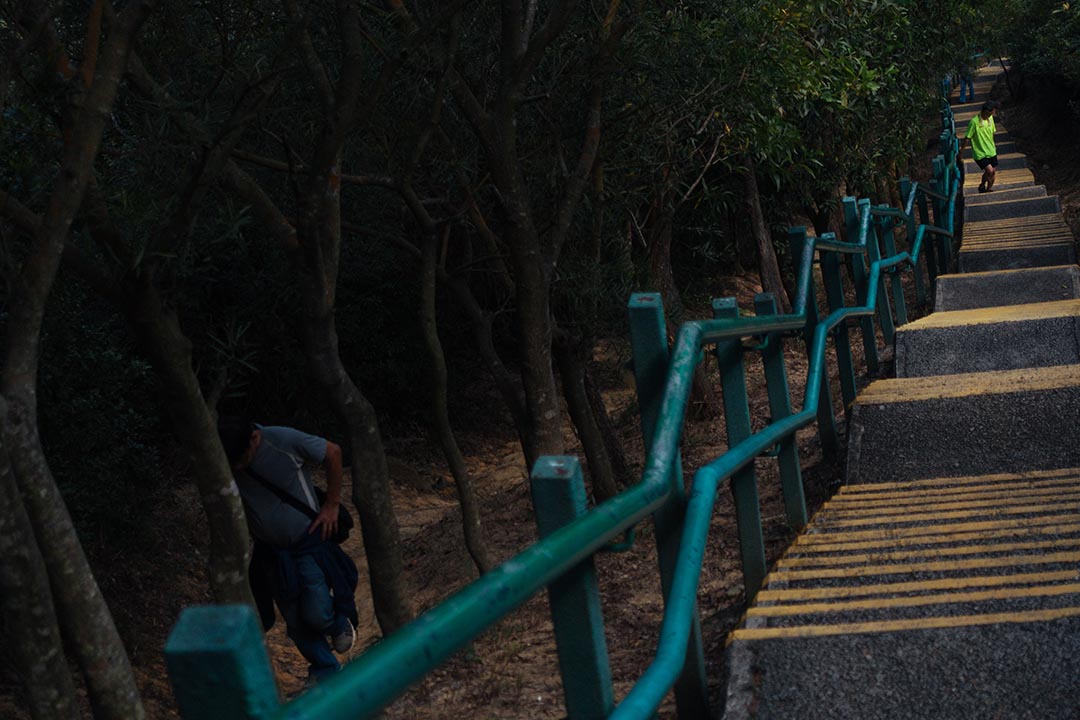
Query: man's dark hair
<point>990,105</point>
<point>235,434</point>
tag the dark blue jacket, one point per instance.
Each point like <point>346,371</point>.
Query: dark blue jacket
<point>273,575</point>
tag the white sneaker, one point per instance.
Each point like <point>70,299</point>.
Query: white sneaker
<point>343,642</point>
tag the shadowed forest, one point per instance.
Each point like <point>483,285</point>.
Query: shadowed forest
<point>412,228</point>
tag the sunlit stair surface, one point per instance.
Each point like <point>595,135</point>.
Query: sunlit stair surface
<point>972,423</point>
<point>997,196</point>
<point>1006,161</point>
<point>1006,180</point>
<point>955,597</point>
<point>997,209</point>
<point>994,338</point>
<point>1019,242</point>
<point>997,288</point>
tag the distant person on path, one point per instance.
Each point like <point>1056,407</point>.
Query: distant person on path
<point>980,133</point>
<point>310,577</point>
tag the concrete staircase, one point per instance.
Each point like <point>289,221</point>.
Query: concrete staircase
<point>952,598</point>
<point>943,581</point>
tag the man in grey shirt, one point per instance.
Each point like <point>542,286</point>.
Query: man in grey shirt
<point>313,579</point>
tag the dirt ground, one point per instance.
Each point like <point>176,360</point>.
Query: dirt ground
<point>511,671</point>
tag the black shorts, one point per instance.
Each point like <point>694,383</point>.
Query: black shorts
<point>987,161</point>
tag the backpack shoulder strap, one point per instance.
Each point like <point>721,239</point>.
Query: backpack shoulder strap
<point>283,495</point>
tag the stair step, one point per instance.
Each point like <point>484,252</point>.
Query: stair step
<point>1007,209</point>
<point>1025,242</point>
<point>1006,161</point>
<point>1006,287</point>
<point>996,338</point>
<point>961,668</point>
<point>907,428</point>
<point>920,598</point>
<point>924,609</point>
<point>965,111</point>
<point>1006,180</point>
<point>1021,193</point>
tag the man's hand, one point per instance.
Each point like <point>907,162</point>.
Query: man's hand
<point>328,515</point>
<point>326,520</point>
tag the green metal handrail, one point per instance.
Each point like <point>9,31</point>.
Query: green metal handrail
<point>368,683</point>
<point>649,691</point>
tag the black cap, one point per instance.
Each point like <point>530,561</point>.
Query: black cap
<point>990,105</point>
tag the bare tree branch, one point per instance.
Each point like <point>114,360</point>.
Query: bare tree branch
<point>514,41</point>
<point>262,206</point>
<point>346,179</point>
<point>554,24</point>
<point>530,21</point>
<point>314,65</point>
<point>23,217</point>
<point>578,181</point>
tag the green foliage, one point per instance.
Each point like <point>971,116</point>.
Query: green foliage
<point>820,96</point>
<point>1042,36</point>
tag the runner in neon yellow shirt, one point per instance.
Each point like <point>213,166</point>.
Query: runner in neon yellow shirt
<point>980,133</point>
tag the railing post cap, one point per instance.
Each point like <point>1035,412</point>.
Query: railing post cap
<point>645,299</point>
<point>556,466</point>
<point>210,627</point>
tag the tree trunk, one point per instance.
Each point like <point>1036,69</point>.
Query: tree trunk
<point>596,231</point>
<point>572,371</point>
<point>703,402</point>
<point>318,257</point>
<point>894,187</point>
<point>26,606</point>
<point>615,450</point>
<point>84,616</point>
<point>768,267</point>
<point>532,289</point>
<point>371,485</point>
<point>509,386</point>
<point>820,219</point>
<point>169,351</point>
<point>534,329</point>
<point>440,416</point>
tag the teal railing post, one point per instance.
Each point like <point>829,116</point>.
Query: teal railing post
<point>930,249</point>
<point>873,254</point>
<point>649,343</point>
<point>911,229</point>
<point>950,147</point>
<point>834,294</point>
<point>888,232</point>
<point>830,445</point>
<point>776,383</point>
<point>946,242</point>
<point>941,215</point>
<point>558,492</point>
<point>860,278</point>
<point>729,353</point>
<point>218,665</point>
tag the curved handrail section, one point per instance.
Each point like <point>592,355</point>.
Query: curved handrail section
<point>649,691</point>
